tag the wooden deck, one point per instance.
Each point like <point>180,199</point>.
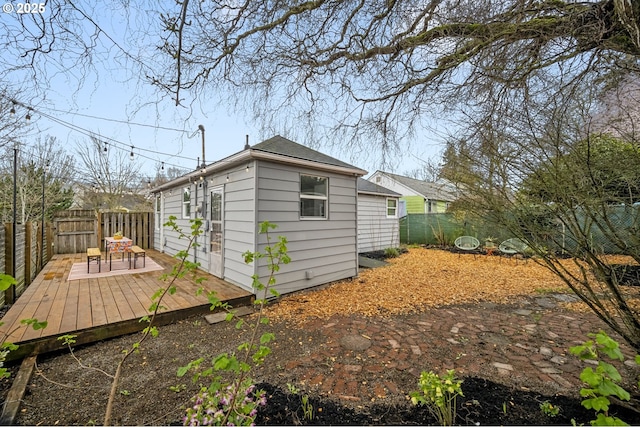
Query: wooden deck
<point>95,309</point>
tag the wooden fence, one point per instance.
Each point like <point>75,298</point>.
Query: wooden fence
<point>77,230</point>
<point>30,255</point>
<point>71,231</point>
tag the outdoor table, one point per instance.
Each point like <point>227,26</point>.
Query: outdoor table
<point>112,245</point>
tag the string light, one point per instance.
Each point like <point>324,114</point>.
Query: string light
<point>227,177</point>
<point>28,116</point>
<point>131,154</point>
<point>114,143</point>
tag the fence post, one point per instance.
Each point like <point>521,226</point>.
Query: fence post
<point>10,293</point>
<point>28,228</point>
<point>49,240</point>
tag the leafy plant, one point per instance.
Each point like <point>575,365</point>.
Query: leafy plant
<point>391,253</point>
<point>235,401</point>
<point>603,381</point>
<point>549,409</point>
<point>439,394</point>
<point>225,407</point>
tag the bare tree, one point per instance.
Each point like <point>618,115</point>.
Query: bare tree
<point>109,174</point>
<point>546,174</point>
<point>371,71</point>
<point>374,70</point>
<point>46,156</point>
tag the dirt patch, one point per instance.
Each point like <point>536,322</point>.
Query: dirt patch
<point>356,350</point>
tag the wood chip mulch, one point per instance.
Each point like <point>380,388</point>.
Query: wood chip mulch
<point>419,279</point>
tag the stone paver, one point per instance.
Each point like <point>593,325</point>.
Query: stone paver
<point>360,357</point>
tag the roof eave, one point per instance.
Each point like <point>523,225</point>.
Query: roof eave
<point>250,154</point>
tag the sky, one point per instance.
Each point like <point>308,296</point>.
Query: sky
<point>126,112</point>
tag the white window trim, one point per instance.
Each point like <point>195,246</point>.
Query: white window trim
<point>395,209</point>
<point>184,204</point>
<point>314,197</point>
<point>158,211</point>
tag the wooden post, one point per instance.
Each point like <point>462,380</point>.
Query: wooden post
<point>49,240</point>
<point>28,229</point>
<point>10,293</point>
<point>98,230</point>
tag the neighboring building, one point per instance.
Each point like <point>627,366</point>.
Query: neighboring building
<point>313,199</point>
<point>378,225</point>
<point>417,196</point>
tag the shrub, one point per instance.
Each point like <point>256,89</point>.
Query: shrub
<point>439,394</point>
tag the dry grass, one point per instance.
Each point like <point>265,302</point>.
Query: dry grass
<point>419,279</point>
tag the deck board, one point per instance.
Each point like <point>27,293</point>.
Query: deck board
<point>100,308</point>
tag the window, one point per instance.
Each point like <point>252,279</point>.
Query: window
<point>186,203</point>
<point>392,208</point>
<point>313,196</point>
<point>157,210</point>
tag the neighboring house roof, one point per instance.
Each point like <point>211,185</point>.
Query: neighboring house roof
<point>368,187</point>
<point>442,190</point>
<point>277,149</point>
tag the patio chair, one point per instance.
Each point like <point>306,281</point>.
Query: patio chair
<point>513,246</point>
<point>467,243</point>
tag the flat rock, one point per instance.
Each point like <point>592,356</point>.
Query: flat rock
<point>355,342</point>
<point>221,316</point>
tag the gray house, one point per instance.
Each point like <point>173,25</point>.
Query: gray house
<point>378,213</point>
<point>312,198</point>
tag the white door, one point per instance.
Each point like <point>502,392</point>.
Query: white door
<point>216,231</point>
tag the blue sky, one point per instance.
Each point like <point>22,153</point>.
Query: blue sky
<point>105,99</point>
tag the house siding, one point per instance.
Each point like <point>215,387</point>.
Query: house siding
<point>167,240</point>
<point>238,219</point>
<point>375,230</point>
<point>322,250</point>
<point>415,204</point>
<point>239,225</point>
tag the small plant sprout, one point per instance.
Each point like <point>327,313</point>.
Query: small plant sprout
<point>178,388</point>
<point>439,394</point>
<point>549,409</point>
<point>307,408</point>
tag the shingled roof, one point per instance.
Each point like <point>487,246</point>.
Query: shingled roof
<point>285,147</point>
<point>444,191</point>
<point>369,187</point>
